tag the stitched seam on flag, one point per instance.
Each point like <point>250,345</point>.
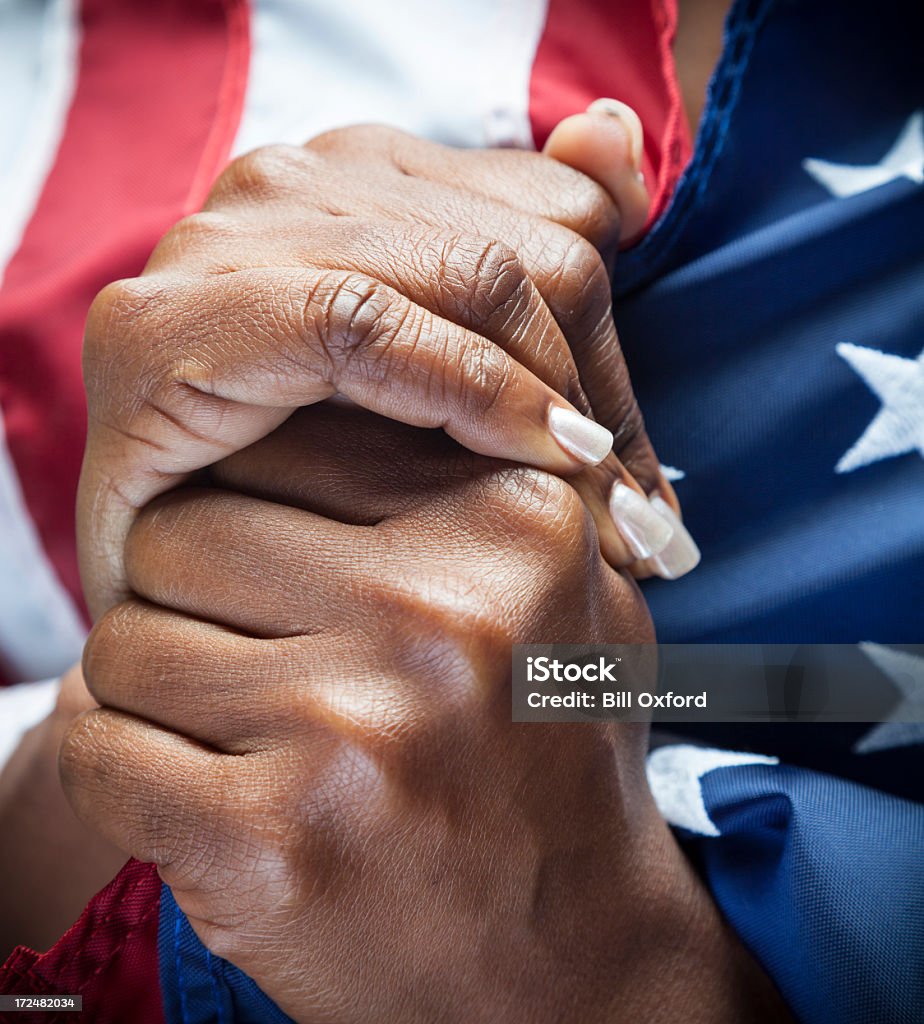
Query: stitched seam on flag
<point>16,975</point>
<point>210,965</point>
<point>741,36</point>
<point>178,963</point>
<point>99,925</point>
<point>51,985</point>
<point>97,928</point>
<point>118,949</point>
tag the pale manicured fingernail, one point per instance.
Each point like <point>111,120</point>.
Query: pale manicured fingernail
<point>579,436</point>
<point>630,120</point>
<point>681,554</point>
<point>643,529</point>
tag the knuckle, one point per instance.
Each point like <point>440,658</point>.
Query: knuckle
<point>207,851</point>
<point>361,139</point>
<point>459,632</point>
<point>207,230</point>
<point>405,602</point>
<point>546,510</point>
<point>260,173</point>
<point>82,764</point>
<point>441,615</point>
<point>119,304</point>
<point>486,287</point>
<point>486,279</point>
<point>110,304</point>
<point>117,313</point>
<point>356,313</point>
<point>170,531</point>
<point>103,649</point>
<point>126,644</point>
<point>574,281</point>
<point>592,212</point>
<point>488,373</point>
<point>584,282</point>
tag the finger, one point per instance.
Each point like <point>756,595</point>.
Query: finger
<point>207,682</point>
<point>242,696</point>
<point>573,283</point>
<point>194,551</point>
<point>681,555</point>
<point>348,465</point>
<point>525,182</point>
<point>606,144</point>
<point>156,795</point>
<point>474,281</point>
<point>197,551</point>
<point>637,531</point>
<point>355,470</point>
<point>254,345</point>
<point>482,285</point>
<point>569,273</point>
<point>541,209</point>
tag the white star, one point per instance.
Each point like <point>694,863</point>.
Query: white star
<point>904,160</point>
<point>672,474</point>
<point>898,427</point>
<point>674,775</point>
<point>905,724</point>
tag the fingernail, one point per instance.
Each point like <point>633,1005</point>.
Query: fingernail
<point>681,554</point>
<point>643,529</point>
<point>579,436</point>
<point>630,121</point>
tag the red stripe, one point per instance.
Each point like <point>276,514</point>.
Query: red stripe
<point>109,957</point>
<point>594,48</point>
<point>157,102</point>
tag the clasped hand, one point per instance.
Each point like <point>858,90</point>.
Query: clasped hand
<point>303,660</point>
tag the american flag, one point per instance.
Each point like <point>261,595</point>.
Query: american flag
<point>773,321</point>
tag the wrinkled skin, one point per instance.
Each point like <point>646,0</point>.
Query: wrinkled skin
<point>439,287</point>
<point>303,661</point>
<point>510,247</point>
<point>306,726</point>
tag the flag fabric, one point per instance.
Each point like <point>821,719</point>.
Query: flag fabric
<point>107,957</point>
<point>822,878</point>
<point>773,322</point>
<point>198,988</point>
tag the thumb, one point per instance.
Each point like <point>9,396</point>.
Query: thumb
<point>606,143</point>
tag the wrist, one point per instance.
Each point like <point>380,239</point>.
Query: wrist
<point>626,930</point>
<point>683,961</point>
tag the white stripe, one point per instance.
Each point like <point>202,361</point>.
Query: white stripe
<point>453,72</point>
<point>675,778</point>
<point>39,45</point>
<point>41,634</point>
<point>22,707</point>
